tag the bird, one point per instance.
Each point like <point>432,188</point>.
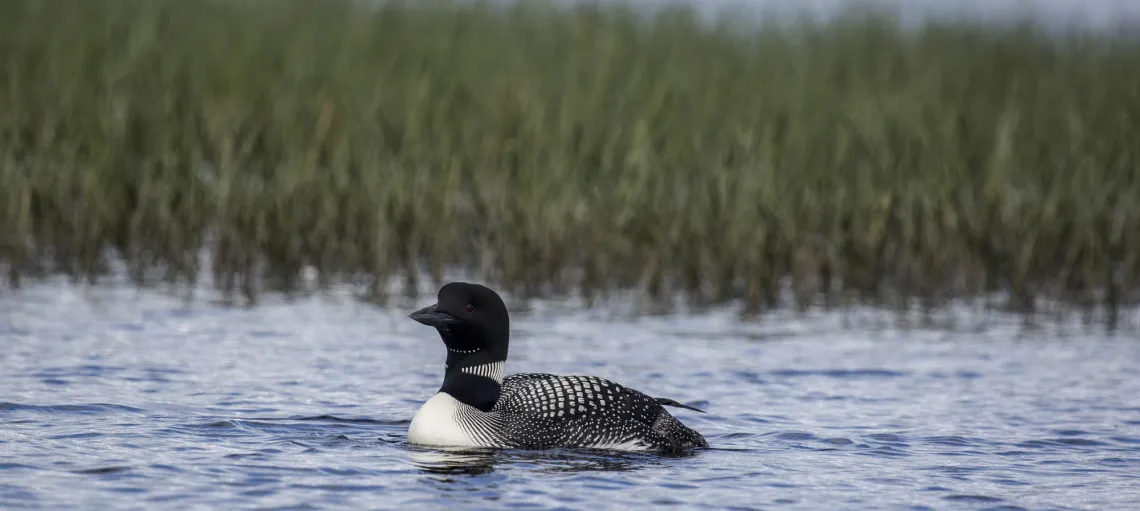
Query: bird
<point>477,407</point>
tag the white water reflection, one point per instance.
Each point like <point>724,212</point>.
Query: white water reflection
<point>1056,13</point>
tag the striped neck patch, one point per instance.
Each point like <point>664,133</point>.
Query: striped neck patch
<point>492,370</point>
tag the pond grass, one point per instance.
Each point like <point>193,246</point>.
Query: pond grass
<point>549,151</point>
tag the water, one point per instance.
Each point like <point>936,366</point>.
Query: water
<point>1096,14</point>
<point>113,399</point>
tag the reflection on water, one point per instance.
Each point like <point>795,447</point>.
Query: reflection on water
<point>454,461</point>
<point>1056,13</point>
<point>482,461</point>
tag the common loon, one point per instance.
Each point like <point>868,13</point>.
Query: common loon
<point>478,407</point>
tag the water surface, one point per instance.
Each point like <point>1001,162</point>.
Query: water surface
<point>117,399</point>
<point>1094,14</point>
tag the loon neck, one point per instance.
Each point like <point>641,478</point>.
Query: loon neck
<point>473,378</point>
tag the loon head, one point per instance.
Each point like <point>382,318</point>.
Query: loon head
<point>472,320</point>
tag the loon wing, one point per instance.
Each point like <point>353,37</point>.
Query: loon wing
<point>543,410</point>
<point>669,402</point>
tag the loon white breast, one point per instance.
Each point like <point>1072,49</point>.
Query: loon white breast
<point>478,407</point>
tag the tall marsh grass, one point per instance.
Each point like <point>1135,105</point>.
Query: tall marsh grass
<point>549,150</point>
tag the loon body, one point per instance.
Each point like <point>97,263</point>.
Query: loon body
<point>478,407</point>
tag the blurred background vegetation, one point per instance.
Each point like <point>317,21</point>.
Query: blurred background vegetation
<point>585,149</point>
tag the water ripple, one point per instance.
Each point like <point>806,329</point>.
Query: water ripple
<point>306,404</point>
<point>97,408</point>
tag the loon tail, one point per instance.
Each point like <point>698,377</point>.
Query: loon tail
<point>664,401</point>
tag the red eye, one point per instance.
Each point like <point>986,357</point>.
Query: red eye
<point>469,308</point>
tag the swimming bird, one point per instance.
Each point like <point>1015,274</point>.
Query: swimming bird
<point>478,407</point>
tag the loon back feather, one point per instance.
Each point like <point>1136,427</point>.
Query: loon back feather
<point>669,402</point>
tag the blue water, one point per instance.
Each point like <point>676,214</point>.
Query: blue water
<point>1097,14</point>
<point>118,399</point>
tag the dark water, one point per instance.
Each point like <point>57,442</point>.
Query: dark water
<point>139,401</point>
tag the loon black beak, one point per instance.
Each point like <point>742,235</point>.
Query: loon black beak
<point>432,316</point>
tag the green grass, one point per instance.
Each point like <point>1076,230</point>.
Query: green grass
<point>549,151</point>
